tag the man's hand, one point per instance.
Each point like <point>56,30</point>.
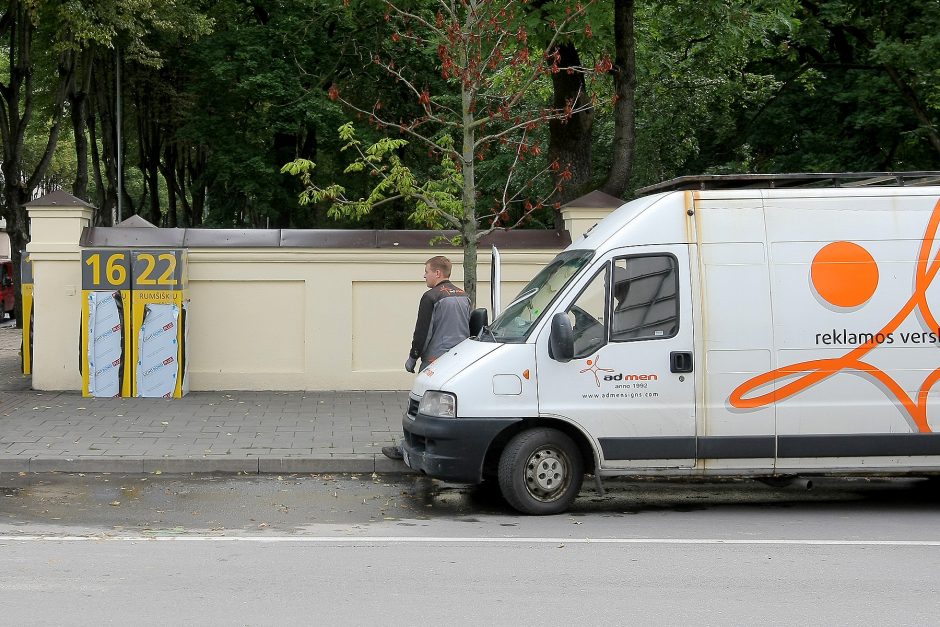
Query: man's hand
<point>410,364</point>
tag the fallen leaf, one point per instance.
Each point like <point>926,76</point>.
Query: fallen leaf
<point>115,503</point>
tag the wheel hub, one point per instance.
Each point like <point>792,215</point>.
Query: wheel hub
<point>546,473</point>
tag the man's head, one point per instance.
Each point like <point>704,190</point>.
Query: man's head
<point>436,270</point>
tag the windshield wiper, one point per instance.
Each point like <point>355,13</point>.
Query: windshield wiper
<point>486,329</point>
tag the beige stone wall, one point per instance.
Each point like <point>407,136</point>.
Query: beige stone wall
<point>268,318</point>
<point>316,319</point>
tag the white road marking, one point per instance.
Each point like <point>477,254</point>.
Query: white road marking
<point>367,540</point>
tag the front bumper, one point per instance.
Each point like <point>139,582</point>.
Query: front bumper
<point>451,449</point>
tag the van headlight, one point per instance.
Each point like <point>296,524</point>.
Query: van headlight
<point>439,405</point>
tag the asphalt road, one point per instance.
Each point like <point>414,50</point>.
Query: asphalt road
<point>352,550</point>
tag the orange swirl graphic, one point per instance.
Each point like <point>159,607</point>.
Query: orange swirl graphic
<point>817,370</point>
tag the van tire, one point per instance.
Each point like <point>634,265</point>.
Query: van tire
<point>540,472</point>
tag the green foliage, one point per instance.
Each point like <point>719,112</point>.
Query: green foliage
<point>436,200</point>
<point>697,73</point>
<point>737,85</point>
<point>843,91</point>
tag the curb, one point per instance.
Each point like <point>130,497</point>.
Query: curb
<point>353,464</point>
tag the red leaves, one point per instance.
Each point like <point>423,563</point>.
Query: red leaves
<point>554,57</point>
<point>520,58</point>
<point>333,93</point>
<point>396,37</point>
<point>425,98</point>
<point>588,32</point>
<point>448,67</point>
<point>604,65</point>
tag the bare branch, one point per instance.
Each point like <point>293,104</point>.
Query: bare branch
<point>407,130</point>
<point>548,114</point>
<point>414,89</point>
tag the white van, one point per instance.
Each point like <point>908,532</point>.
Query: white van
<point>760,332</point>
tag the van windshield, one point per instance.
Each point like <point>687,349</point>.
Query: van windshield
<point>514,323</point>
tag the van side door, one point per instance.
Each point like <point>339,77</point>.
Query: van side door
<point>630,385</point>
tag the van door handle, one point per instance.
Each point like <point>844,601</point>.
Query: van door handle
<point>680,361</point>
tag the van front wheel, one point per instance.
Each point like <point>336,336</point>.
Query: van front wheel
<point>540,472</point>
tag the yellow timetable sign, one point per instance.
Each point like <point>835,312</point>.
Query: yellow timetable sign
<point>159,282</point>
<point>26,293</point>
<point>106,323</point>
<point>106,269</point>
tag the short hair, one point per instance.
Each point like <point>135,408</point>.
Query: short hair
<point>441,263</point>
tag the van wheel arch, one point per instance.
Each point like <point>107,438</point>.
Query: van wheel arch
<point>495,450</point>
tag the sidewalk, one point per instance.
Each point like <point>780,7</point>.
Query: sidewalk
<point>251,432</point>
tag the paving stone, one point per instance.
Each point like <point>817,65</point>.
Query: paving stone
<point>83,464</point>
<point>318,464</point>
<point>14,464</point>
<point>203,464</point>
<point>236,428</point>
<point>384,465</point>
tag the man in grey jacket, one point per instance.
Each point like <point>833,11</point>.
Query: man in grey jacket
<point>443,322</point>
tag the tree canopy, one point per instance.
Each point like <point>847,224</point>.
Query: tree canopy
<point>570,96</point>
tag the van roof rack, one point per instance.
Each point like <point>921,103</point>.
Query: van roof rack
<point>812,179</point>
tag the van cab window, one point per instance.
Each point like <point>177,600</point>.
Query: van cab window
<point>645,298</point>
<point>518,318</point>
<point>587,316</point>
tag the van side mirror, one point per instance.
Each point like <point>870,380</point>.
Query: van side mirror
<point>478,320</point>
<point>561,339</point>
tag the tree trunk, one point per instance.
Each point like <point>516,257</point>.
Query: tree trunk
<point>168,168</point>
<point>106,167</point>
<point>469,221</point>
<point>78,109</point>
<point>196,172</point>
<point>149,136</point>
<point>920,111</point>
<point>18,28</point>
<point>624,72</point>
<point>570,139</point>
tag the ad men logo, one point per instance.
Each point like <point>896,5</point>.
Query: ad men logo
<point>845,275</point>
<point>594,369</point>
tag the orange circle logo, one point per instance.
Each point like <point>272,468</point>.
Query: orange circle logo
<point>845,274</point>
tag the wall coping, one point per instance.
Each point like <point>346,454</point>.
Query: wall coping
<point>122,237</point>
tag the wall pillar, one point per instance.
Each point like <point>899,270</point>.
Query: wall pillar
<point>56,221</point>
<point>581,214</point>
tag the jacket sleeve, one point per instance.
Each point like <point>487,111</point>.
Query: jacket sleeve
<point>422,325</point>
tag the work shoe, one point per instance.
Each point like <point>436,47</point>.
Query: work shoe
<point>392,452</point>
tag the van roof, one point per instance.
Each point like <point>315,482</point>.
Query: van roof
<point>811,179</point>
